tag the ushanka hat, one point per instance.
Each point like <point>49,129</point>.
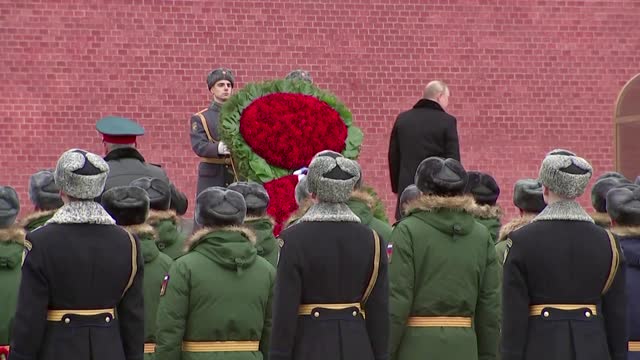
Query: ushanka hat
<point>217,206</point>
<point>565,174</point>
<point>299,75</point>
<point>483,187</point>
<point>443,177</point>
<point>528,196</point>
<point>127,205</point>
<point>623,204</point>
<point>220,74</point>
<point>410,193</point>
<point>43,191</point>
<point>332,177</point>
<point>255,196</point>
<point>9,206</point>
<point>302,190</point>
<point>81,174</point>
<point>601,188</point>
<point>158,191</point>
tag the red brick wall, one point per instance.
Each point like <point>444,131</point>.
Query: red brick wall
<point>526,76</point>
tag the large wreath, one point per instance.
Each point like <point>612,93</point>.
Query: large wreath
<point>274,128</point>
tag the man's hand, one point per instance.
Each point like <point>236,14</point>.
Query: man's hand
<point>223,149</point>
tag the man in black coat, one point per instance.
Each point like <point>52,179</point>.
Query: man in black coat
<point>564,277</point>
<point>126,163</point>
<point>331,272</point>
<point>81,294</point>
<point>424,131</point>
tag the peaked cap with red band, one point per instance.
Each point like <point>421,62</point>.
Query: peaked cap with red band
<point>119,130</point>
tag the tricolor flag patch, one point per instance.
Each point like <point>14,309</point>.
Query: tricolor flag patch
<point>165,282</point>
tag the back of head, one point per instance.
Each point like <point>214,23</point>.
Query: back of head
<point>483,187</point>
<point>623,205</point>
<point>601,188</point>
<point>255,197</point>
<point>43,191</point>
<point>565,174</point>
<point>409,194</point>
<point>9,206</point>
<point>332,178</point>
<point>217,206</point>
<point>441,177</point>
<point>81,174</point>
<point>158,191</point>
<point>127,205</point>
<point>528,196</point>
<point>434,89</point>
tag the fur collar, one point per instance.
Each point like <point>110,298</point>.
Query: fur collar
<point>564,210</point>
<point>626,230</point>
<point>428,104</point>
<point>258,218</point>
<point>82,212</point>
<point>35,216</point>
<point>601,219</point>
<point>302,209</point>
<point>365,197</point>
<point>14,234</point>
<point>200,234</point>
<point>432,203</point>
<point>141,229</point>
<point>514,225</point>
<point>124,153</point>
<point>330,212</point>
<point>155,216</point>
<point>488,211</point>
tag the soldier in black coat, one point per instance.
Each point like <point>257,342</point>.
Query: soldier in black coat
<point>216,168</point>
<point>81,290</point>
<point>332,272</point>
<point>424,131</point>
<point>564,278</point>
<point>126,163</point>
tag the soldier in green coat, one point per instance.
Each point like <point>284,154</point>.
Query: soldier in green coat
<point>129,207</point>
<point>363,204</point>
<point>444,284</point>
<point>165,221</point>
<point>485,191</point>
<point>257,200</point>
<point>216,302</point>
<point>45,196</point>
<point>12,245</point>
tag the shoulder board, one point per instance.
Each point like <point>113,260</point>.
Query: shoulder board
<point>201,111</point>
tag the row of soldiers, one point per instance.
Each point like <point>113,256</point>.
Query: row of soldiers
<point>441,297</point>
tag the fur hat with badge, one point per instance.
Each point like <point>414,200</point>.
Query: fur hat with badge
<point>127,205</point>
<point>528,196</point>
<point>623,205</point>
<point>217,206</point>
<point>603,184</point>
<point>441,177</point>
<point>9,206</point>
<point>218,75</point>
<point>483,187</point>
<point>158,191</point>
<point>255,196</point>
<point>81,174</point>
<point>565,174</point>
<point>43,191</point>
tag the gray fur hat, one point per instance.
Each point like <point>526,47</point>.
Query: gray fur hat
<point>528,196</point>
<point>410,193</point>
<point>158,191</point>
<point>302,190</point>
<point>220,74</point>
<point>255,196</point>
<point>127,205</point>
<point>443,177</point>
<point>9,206</point>
<point>217,206</point>
<point>332,178</point>
<point>483,187</point>
<point>299,75</point>
<point>81,174</point>
<point>601,188</point>
<point>43,191</point>
<point>612,174</point>
<point>565,174</point>
<point>623,204</point>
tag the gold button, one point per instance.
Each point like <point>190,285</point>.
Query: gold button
<point>107,319</point>
<point>545,314</point>
<point>355,313</point>
<point>67,320</point>
<point>587,313</point>
<point>316,314</point>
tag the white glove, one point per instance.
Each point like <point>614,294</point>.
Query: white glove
<point>223,149</point>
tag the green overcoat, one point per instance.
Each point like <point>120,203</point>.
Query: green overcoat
<point>489,216</point>
<point>11,250</point>
<point>266,243</point>
<point>362,204</point>
<point>36,219</point>
<point>503,238</point>
<point>443,264</point>
<point>220,290</point>
<point>170,239</point>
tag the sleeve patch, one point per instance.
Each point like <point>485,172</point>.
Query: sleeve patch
<point>165,282</point>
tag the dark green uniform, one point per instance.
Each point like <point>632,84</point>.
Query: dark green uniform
<point>503,238</point>
<point>170,239</point>
<point>443,265</point>
<point>11,250</point>
<point>362,204</point>
<point>219,291</point>
<point>36,219</point>
<point>266,243</point>
<point>489,216</point>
